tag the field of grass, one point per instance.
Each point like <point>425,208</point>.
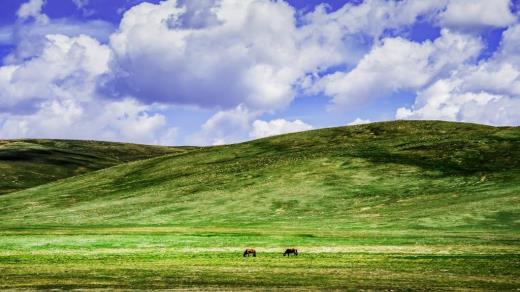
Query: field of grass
<point>28,163</point>
<point>405,205</point>
<point>210,258</point>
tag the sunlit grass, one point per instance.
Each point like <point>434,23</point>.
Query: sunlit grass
<point>410,205</point>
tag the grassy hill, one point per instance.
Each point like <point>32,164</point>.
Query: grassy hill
<point>405,204</point>
<point>396,174</point>
<point>28,163</point>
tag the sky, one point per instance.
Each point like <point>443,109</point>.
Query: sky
<point>208,72</point>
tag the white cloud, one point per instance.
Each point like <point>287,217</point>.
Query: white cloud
<point>373,17</point>
<point>509,51</point>
<point>30,39</point>
<point>28,33</point>
<point>132,120</point>
<point>244,58</point>
<point>53,95</point>
<point>225,127</point>
<point>262,129</point>
<point>477,13</point>
<point>168,137</point>
<point>240,124</point>
<point>124,120</point>
<point>444,101</point>
<point>33,9</point>
<point>80,3</point>
<point>229,52</point>
<point>398,64</point>
<point>359,121</point>
<point>487,92</point>
<point>246,55</point>
<point>67,68</point>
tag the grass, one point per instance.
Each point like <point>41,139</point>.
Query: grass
<point>406,205</point>
<point>168,257</point>
<point>28,163</point>
<point>310,271</point>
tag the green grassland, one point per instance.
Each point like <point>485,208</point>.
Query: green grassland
<point>28,163</point>
<point>405,205</point>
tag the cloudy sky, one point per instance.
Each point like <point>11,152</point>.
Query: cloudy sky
<point>205,72</point>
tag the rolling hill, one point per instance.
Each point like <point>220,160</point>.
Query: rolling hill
<point>28,163</point>
<point>404,174</point>
<point>405,205</point>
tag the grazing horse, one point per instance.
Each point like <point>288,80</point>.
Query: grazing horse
<point>249,251</point>
<point>290,251</point>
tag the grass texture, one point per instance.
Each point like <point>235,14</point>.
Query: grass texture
<point>404,205</point>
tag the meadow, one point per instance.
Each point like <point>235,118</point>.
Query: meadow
<point>162,257</point>
<point>31,162</point>
<point>397,205</point>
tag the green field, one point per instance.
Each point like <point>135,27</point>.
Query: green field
<point>28,163</point>
<point>396,205</point>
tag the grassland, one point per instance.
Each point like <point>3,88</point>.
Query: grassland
<point>406,205</point>
<point>32,162</point>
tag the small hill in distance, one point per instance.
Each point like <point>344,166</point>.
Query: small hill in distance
<point>32,162</point>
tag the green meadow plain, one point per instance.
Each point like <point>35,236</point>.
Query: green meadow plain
<point>395,205</point>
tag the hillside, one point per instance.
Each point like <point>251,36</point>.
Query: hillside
<point>391,175</point>
<point>28,163</point>
<point>387,206</point>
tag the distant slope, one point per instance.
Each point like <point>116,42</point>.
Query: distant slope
<point>28,163</point>
<point>403,174</point>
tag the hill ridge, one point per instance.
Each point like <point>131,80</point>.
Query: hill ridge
<point>25,163</point>
<point>452,175</point>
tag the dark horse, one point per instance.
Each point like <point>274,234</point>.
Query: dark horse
<point>249,251</point>
<point>290,251</point>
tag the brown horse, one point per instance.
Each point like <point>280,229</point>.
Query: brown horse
<point>290,251</point>
<point>250,251</point>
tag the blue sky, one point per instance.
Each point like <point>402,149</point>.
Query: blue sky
<point>223,71</point>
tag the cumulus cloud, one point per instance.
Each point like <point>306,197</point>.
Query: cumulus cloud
<point>28,33</point>
<point>487,92</point>
<point>124,120</point>
<point>243,53</point>
<point>67,67</point>
<point>225,127</point>
<point>509,51</point>
<point>33,9</point>
<point>398,64</point>
<point>240,124</point>
<point>30,39</point>
<point>467,14</point>
<point>444,101</point>
<point>225,53</point>
<point>262,129</point>
<point>373,17</point>
<point>197,14</point>
<point>242,59</point>
<point>53,95</point>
